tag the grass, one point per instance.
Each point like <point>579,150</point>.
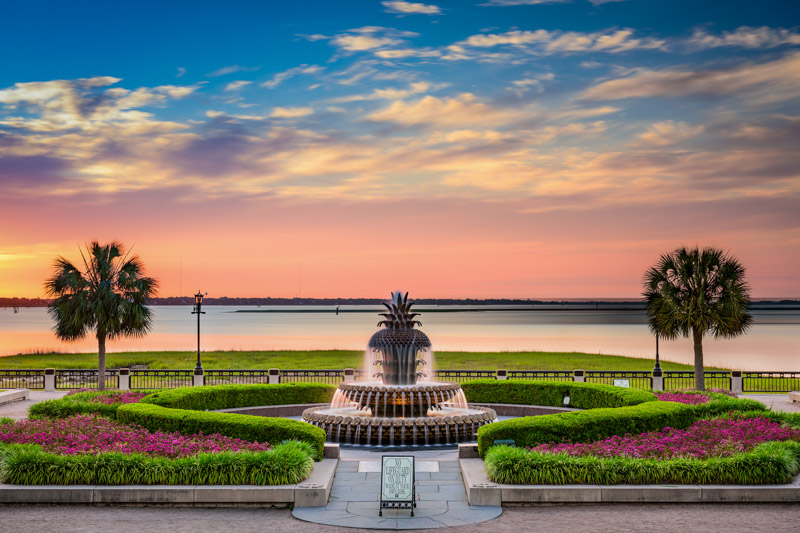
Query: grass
<point>322,359</point>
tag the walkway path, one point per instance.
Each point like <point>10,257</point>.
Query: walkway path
<point>441,498</point>
<point>20,409</point>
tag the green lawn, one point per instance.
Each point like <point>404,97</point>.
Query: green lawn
<point>337,359</point>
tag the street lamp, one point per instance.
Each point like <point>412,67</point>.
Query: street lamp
<point>198,303</point>
<point>658,365</point>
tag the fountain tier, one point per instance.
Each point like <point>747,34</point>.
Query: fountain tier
<point>399,410</point>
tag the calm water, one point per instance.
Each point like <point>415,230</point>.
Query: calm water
<point>773,343</point>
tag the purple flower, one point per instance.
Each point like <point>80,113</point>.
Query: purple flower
<point>705,438</point>
<point>85,434</point>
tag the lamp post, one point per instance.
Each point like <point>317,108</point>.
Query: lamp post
<point>198,303</point>
<point>658,365</point>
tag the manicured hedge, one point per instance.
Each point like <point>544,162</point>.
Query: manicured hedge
<point>609,411</point>
<point>26,464</point>
<point>586,426</point>
<point>76,404</point>
<point>551,393</point>
<point>246,427</point>
<point>216,397</point>
<point>768,463</point>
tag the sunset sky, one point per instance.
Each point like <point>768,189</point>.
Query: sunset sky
<point>464,148</point>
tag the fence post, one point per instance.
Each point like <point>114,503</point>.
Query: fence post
<point>578,376</point>
<point>501,374</point>
<point>199,378</point>
<point>658,380</point>
<point>124,379</point>
<point>50,379</point>
<point>737,385</point>
<point>349,375</point>
<point>274,376</point>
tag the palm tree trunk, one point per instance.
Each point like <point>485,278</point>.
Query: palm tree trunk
<point>101,361</point>
<point>699,374</point>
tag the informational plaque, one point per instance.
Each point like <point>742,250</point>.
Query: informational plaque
<point>397,483</point>
<point>622,383</point>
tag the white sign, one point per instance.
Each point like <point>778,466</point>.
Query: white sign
<point>397,478</point>
<point>622,383</point>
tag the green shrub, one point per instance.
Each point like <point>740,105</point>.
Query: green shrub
<point>768,463</point>
<point>551,393</point>
<point>246,427</point>
<point>586,426</point>
<point>77,404</point>
<point>6,420</point>
<point>25,464</point>
<point>216,397</point>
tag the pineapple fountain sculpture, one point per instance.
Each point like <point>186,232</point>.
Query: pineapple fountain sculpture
<point>404,407</point>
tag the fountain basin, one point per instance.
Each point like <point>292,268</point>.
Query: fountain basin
<point>448,425</point>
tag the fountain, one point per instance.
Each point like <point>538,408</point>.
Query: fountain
<point>406,407</point>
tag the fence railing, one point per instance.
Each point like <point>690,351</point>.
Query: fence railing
<point>84,379</point>
<point>460,376</point>
<point>70,379</point>
<point>552,375</point>
<point>22,379</point>
<point>770,381</point>
<point>239,377</point>
<point>634,379</point>
<point>332,377</point>
<point>684,379</point>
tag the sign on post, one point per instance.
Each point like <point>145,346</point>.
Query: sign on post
<point>397,483</point>
<point>622,383</point>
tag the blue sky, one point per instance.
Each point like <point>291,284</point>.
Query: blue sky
<point>552,135</point>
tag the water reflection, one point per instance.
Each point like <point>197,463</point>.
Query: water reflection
<point>772,343</point>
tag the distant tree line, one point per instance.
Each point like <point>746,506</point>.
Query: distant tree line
<point>224,300</point>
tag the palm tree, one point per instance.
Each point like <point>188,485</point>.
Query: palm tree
<point>697,291</point>
<point>108,298</point>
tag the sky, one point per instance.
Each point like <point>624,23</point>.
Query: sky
<point>454,149</point>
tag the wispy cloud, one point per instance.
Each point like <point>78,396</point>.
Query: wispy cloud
<point>745,37</point>
<point>291,112</point>
<point>280,77</point>
<point>231,69</point>
<point>411,8</point>
<point>236,85</point>
<point>544,41</point>
<point>370,38</point>
<point>181,72</point>
<point>771,81</point>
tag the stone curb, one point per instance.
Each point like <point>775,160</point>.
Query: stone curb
<point>13,395</point>
<point>311,492</point>
<point>482,491</point>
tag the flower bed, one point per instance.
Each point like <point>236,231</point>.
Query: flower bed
<point>86,401</point>
<point>83,434</point>
<point>98,451</point>
<point>719,437</point>
<point>683,397</point>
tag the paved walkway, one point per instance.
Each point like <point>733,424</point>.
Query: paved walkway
<point>441,497</point>
<point>589,518</point>
<point>19,410</point>
<point>777,402</point>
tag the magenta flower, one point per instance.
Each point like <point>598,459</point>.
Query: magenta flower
<point>705,438</point>
<point>83,434</point>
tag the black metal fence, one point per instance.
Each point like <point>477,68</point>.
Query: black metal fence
<point>22,379</point>
<point>684,379</point>
<point>333,377</point>
<point>460,376</point>
<point>239,377</point>
<point>84,379</point>
<point>161,379</point>
<point>770,381</point>
<point>552,375</point>
<point>631,379</point>
<point>752,382</point>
